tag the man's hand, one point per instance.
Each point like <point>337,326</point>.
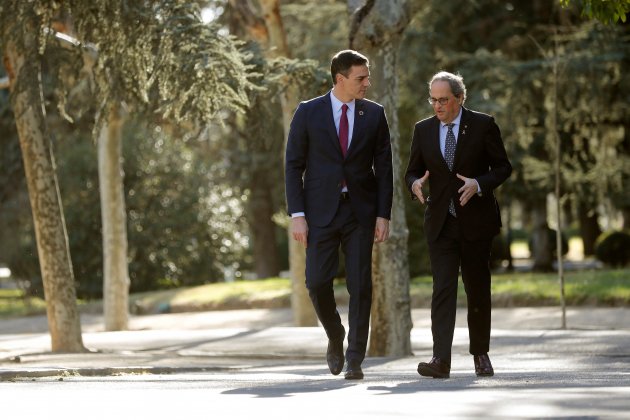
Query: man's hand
<point>381,231</point>
<point>299,229</point>
<point>469,189</point>
<point>416,187</point>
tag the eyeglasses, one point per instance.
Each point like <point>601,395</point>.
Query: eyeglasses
<point>441,101</point>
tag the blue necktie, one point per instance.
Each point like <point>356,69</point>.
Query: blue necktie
<point>449,156</point>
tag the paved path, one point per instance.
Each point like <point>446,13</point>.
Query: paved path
<point>239,364</point>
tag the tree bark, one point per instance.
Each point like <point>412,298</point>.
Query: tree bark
<point>541,250</point>
<point>625,213</point>
<point>376,27</point>
<point>114,220</point>
<point>260,215</point>
<point>23,66</point>
<point>391,304</point>
<point>589,228</point>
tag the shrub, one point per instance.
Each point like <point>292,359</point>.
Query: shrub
<point>613,248</point>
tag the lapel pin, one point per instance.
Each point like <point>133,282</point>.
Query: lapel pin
<point>464,130</point>
<point>360,112</point>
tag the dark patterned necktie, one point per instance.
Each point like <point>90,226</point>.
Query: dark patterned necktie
<point>449,156</point>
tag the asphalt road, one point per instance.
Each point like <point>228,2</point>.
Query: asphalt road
<point>252,364</point>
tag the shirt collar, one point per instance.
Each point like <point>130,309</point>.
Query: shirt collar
<point>336,103</point>
<point>455,121</point>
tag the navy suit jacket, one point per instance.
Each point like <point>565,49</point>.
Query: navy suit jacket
<point>479,154</point>
<point>315,167</point>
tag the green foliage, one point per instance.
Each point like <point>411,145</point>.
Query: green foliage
<point>183,226</point>
<point>17,241</point>
<point>613,248</point>
<point>606,11</point>
<point>163,45</point>
<point>506,51</point>
<point>316,30</point>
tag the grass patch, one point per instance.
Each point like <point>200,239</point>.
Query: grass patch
<point>591,287</point>
<point>269,293</point>
<point>13,303</point>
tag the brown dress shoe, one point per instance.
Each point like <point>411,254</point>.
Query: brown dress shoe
<point>483,367</point>
<point>436,368</point>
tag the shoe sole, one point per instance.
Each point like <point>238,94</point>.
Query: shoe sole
<point>485,374</point>
<point>342,361</point>
<point>353,377</point>
<point>337,371</point>
<point>424,371</point>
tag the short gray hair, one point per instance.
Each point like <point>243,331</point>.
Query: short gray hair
<point>455,81</point>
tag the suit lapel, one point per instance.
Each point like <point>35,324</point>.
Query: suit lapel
<point>358,130</point>
<point>434,142</point>
<point>462,142</point>
<point>329,121</point>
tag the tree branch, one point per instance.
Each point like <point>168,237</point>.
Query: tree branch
<point>356,19</point>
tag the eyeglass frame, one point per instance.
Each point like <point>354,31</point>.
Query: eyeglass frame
<point>441,101</point>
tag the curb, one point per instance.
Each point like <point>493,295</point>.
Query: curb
<point>12,375</point>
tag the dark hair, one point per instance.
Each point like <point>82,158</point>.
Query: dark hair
<point>343,61</point>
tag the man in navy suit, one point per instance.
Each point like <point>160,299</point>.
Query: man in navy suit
<point>339,189</point>
<point>462,155</point>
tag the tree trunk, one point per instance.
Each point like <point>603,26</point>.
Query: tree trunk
<point>269,32</point>
<point>589,227</point>
<point>540,248</point>
<point>114,219</point>
<point>263,228</point>
<point>391,307</point>
<point>50,230</point>
<point>376,27</point>
<point>303,312</point>
<point>625,213</point>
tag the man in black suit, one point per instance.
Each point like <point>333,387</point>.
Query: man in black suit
<point>462,155</point>
<point>339,189</point>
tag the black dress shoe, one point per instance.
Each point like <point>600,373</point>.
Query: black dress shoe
<point>483,367</point>
<point>334,355</point>
<point>436,368</point>
<point>353,371</point>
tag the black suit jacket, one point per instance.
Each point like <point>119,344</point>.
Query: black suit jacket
<point>315,167</point>
<point>479,154</point>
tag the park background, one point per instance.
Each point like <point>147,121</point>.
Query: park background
<point>150,135</point>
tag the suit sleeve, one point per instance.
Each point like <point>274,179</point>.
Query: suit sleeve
<point>416,166</point>
<point>500,167</point>
<point>295,161</point>
<point>383,169</point>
